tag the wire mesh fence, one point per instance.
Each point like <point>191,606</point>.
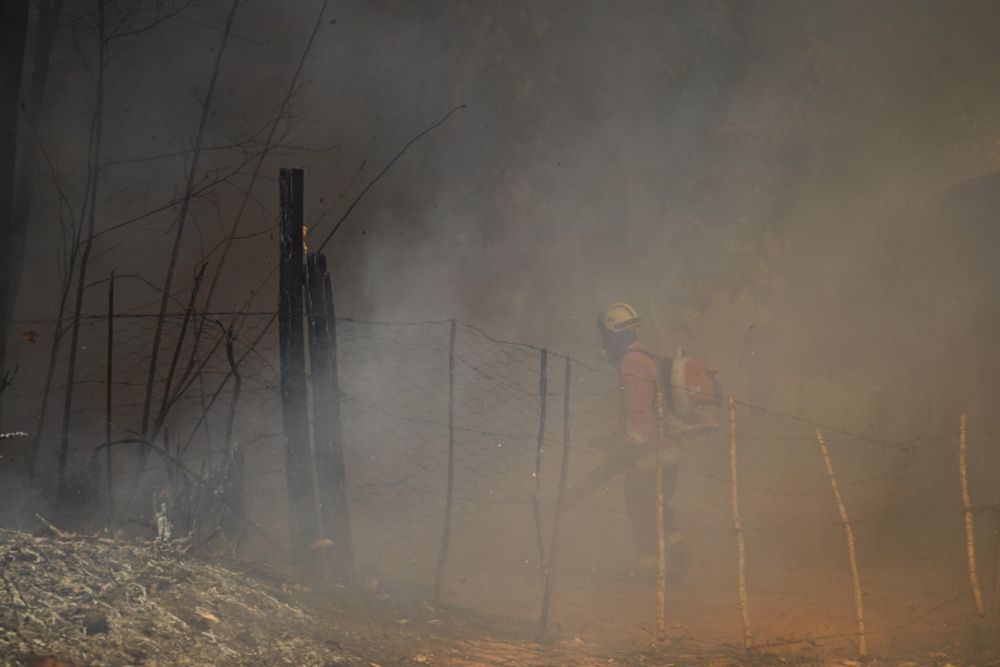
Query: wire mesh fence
<point>455,443</point>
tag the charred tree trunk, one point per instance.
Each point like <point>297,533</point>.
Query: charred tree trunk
<point>327,433</point>
<point>13,31</point>
<point>34,102</point>
<point>302,521</point>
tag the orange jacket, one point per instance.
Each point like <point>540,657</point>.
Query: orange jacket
<point>638,374</point>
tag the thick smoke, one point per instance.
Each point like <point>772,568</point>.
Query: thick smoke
<point>803,194</point>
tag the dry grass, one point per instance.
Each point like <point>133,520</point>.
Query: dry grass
<point>90,601</point>
<point>68,600</point>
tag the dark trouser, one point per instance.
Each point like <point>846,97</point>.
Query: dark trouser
<point>640,504</point>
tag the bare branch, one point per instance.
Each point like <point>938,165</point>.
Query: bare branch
<point>268,144</point>
<point>7,379</point>
<point>125,28</point>
<point>382,173</point>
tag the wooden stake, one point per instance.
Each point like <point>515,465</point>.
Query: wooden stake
<point>108,389</point>
<point>661,537</point>
<point>970,532</point>
<point>995,602</point>
<point>550,570</point>
<point>543,393</point>
<point>852,554</point>
<point>738,525</point>
<point>450,482</point>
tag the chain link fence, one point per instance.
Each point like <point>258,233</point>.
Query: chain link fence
<point>455,443</point>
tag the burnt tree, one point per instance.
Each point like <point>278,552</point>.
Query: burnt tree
<point>303,523</point>
<point>327,434</point>
<point>13,32</point>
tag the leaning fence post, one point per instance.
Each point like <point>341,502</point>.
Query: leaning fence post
<point>303,523</point>
<point>851,553</point>
<point>970,531</point>
<point>738,525</point>
<point>446,531</point>
<point>543,619</point>
<point>543,391</point>
<point>108,393</point>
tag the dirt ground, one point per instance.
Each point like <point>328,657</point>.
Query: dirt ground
<point>73,600</point>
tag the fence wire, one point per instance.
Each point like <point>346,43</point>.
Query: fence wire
<point>478,423</point>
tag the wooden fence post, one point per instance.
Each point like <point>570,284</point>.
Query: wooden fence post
<point>303,523</point>
<point>995,601</point>
<point>970,530</point>
<point>543,395</point>
<point>108,391</point>
<point>661,551</point>
<point>327,432</point>
<point>738,525</point>
<point>662,556</point>
<point>446,531</point>
<point>550,573</point>
<point>859,608</point>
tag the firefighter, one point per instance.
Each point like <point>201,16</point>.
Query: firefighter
<point>639,383</point>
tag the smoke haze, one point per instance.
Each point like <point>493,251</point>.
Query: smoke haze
<point>803,194</point>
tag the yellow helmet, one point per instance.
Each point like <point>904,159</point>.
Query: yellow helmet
<point>620,317</point>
